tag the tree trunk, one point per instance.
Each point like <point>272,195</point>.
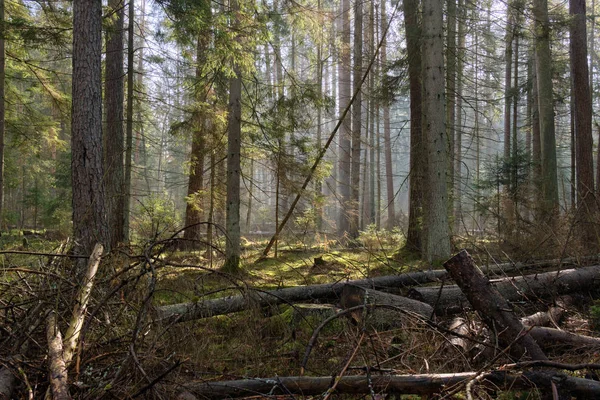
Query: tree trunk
<point>451,85</point>
<point>2,110</point>
<point>195,205</point>
<point>418,160</point>
<point>460,50</point>
<point>492,307</point>
<point>232,227</point>
<point>424,384</point>
<point>345,94</point>
<point>450,299</point>
<point>114,137</point>
<point>129,124</point>
<point>586,206</point>
<point>387,135</point>
<point>437,243</point>
<point>549,200</point>
<point>356,121</point>
<point>89,203</point>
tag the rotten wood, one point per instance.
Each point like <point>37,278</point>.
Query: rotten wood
<point>449,299</point>
<point>353,296</point>
<point>57,367</point>
<point>424,384</point>
<point>492,307</point>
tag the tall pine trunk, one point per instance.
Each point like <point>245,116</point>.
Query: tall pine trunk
<point>344,158</point>
<point>356,122</point>
<point>549,195</point>
<point>437,243</point>
<point>114,136</point>
<point>586,205</point>
<point>87,172</point>
<point>418,160</point>
<point>387,134</point>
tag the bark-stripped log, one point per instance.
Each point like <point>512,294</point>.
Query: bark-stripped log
<point>396,384</point>
<point>450,299</point>
<point>492,307</point>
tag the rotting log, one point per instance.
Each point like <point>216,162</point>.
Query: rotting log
<point>353,296</point>
<point>548,337</point>
<point>492,307</point>
<point>450,299</point>
<point>327,292</point>
<point>57,367</point>
<point>397,384</point>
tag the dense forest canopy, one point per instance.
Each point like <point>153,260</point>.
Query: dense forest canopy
<point>337,123</point>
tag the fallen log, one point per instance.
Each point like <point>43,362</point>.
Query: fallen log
<point>317,293</point>
<point>548,337</point>
<point>424,384</point>
<point>492,307</point>
<point>449,299</point>
<point>353,296</point>
<point>553,315</point>
<point>322,292</point>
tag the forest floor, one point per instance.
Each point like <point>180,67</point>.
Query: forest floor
<point>260,342</point>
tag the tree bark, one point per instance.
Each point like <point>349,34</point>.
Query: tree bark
<point>387,135</point>
<point>418,160</point>
<point>57,368</point>
<point>356,121</point>
<point>424,384</point>
<point>492,307</point>
<point>345,94</point>
<point>549,199</point>
<point>437,243</point>
<point>450,299</point>
<point>232,244</point>
<point>89,201</point>
<point>129,123</point>
<point>353,295</point>
<point>324,292</point>
<point>2,108</point>
<point>114,136</point>
<point>586,206</point>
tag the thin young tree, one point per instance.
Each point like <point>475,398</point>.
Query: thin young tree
<point>234,133</point>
